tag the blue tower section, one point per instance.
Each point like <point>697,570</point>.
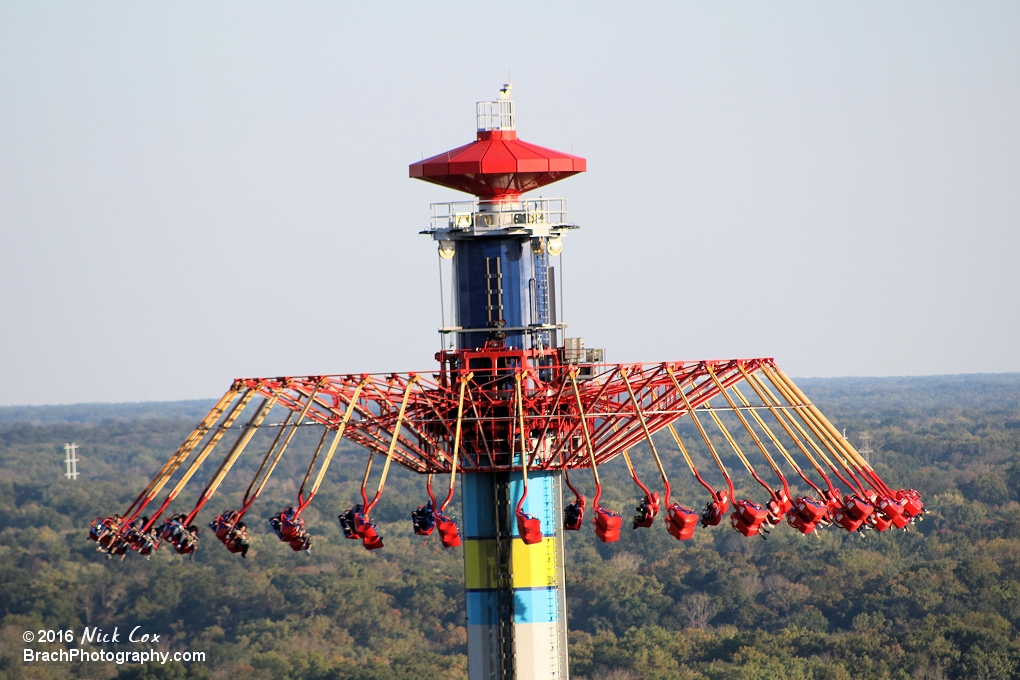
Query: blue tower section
<point>496,285</point>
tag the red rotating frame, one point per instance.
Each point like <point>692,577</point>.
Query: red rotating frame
<point>562,416</point>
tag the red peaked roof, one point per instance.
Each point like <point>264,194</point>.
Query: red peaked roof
<point>497,164</point>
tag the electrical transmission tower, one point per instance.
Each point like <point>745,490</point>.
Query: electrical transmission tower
<point>71,460</point>
<point>866,449</point>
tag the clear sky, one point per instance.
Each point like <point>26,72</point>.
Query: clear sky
<point>192,192</point>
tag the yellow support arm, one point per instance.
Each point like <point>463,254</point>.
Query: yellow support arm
<point>701,428</point>
<point>644,427</point>
<point>336,439</point>
<point>393,444</point>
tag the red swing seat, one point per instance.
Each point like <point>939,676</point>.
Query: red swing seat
<point>346,520</point>
<point>857,507</point>
<point>188,542</point>
<point>148,542</point>
<point>806,515</point>
<point>102,530</point>
<point>893,511</point>
<point>607,525</point>
<point>530,528</point>
<point>647,509</point>
<point>911,500</point>
<point>681,522</point>
<point>778,507</point>
<point>221,527</point>
<point>747,517</point>
<point>715,510</point>
<point>878,522</point>
<point>573,514</point>
<point>301,542</point>
<point>843,519</point>
<point>365,530</point>
<point>449,535</point>
<point>423,519</point>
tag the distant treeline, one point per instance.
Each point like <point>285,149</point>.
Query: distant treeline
<point>193,409</point>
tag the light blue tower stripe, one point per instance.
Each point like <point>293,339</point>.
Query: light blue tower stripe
<point>540,490</point>
<point>531,605</point>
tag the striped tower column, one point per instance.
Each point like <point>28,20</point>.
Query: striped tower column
<point>516,595</point>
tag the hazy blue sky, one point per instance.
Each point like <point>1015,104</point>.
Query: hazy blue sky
<point>191,192</point>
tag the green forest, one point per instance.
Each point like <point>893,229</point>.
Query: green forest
<point>939,601</point>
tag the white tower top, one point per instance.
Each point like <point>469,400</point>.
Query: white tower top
<point>499,114</point>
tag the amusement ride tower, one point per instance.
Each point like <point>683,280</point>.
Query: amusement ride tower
<point>504,292</point>
<point>512,410</point>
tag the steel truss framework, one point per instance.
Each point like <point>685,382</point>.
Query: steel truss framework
<point>510,410</point>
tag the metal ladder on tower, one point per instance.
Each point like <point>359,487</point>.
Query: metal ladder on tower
<point>542,309</point>
<point>504,577</point>
<point>552,568</point>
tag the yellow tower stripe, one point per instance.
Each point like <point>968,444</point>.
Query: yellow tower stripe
<point>534,566</point>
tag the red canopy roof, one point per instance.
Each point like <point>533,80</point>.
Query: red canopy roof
<point>497,164</point>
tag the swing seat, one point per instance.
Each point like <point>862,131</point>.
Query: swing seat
<point>857,507</point>
<point>285,526</point>
<point>750,512</point>
<point>173,529</point>
<point>843,519</point>
<point>833,504</point>
<point>530,528</point>
<point>237,547</point>
<point>228,529</point>
<point>798,523</point>
<point>220,527</point>
<point>301,542</point>
<point>187,541</point>
<point>448,532</point>
<point>292,529</point>
<point>607,525</point>
<point>911,500</point>
<point>236,539</point>
<point>347,522</point>
<point>681,521</point>
<point>878,522</point>
<point>806,515</point>
<point>715,510</point>
<point>423,520</point>
<point>366,531</point>
<point>892,511</point>
<point>810,510</point>
<point>573,515</point>
<point>106,533</point>
<point>647,509</point>
<point>149,543</point>
<point>747,517</point>
<point>102,529</point>
<point>778,507</point>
